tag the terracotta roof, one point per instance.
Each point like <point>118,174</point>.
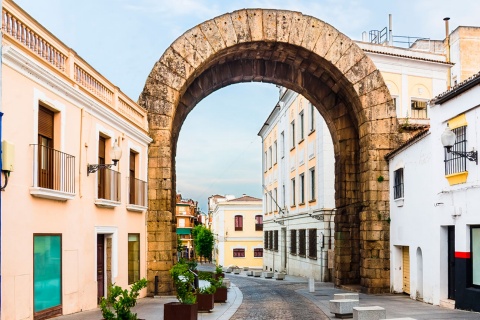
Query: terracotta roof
<point>407,56</point>
<point>407,143</point>
<point>456,90</point>
<point>245,198</point>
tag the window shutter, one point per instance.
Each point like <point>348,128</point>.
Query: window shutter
<point>45,122</point>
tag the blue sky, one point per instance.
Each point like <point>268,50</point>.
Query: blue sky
<point>219,151</point>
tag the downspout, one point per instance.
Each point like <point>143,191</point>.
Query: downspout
<point>82,114</point>
<point>447,51</point>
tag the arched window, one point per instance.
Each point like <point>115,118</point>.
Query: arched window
<point>259,223</point>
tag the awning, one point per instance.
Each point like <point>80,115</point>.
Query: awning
<point>184,231</point>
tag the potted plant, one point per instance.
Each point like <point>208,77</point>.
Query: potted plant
<point>186,308</point>
<point>205,298</point>
<point>119,301</point>
<point>220,294</point>
<point>219,272</point>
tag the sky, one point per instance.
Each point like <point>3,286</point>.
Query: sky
<point>219,151</point>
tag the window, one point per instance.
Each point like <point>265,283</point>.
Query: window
<point>265,161</point>
<point>238,223</point>
<point>275,240</point>
<point>292,133</point>
<point>475,254</point>
<point>258,252</point>
<point>293,241</point>
<point>101,173</point>
<point>239,253</point>
<point>275,198</point>
<point>293,191</point>
<point>108,180</point>
<point>301,242</point>
<point>312,184</point>
<point>45,148</point>
<point>258,223</point>
<point>133,257</point>
<point>312,243</point>
<point>312,117</point>
<point>275,152</point>
<point>47,274</point>
<point>302,130</point>
<point>265,240</point>
<point>398,184</point>
<point>455,163</point>
<point>270,158</point>
<point>283,196</point>
<point>270,240</point>
<point>302,188</point>
<point>282,144</point>
<point>418,109</point>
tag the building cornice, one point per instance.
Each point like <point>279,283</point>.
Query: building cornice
<point>29,68</point>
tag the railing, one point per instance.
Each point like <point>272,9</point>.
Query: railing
<point>12,26</point>
<point>53,169</point>
<point>138,192</point>
<point>108,184</point>
<point>23,31</point>
<point>418,113</point>
<point>86,80</point>
<point>378,36</point>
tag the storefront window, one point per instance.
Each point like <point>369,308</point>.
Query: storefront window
<point>47,262</point>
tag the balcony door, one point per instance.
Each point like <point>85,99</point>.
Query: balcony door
<point>132,179</point>
<point>101,177</point>
<point>45,148</point>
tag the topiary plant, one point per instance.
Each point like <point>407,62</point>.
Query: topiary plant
<point>121,301</point>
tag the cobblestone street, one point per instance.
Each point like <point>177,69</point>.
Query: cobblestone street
<point>266,300</point>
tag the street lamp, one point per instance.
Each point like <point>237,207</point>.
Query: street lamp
<point>115,155</point>
<point>448,140</point>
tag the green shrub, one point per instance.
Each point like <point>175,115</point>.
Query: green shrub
<point>219,269</point>
<point>183,280</point>
<point>205,275</point>
<point>121,301</point>
<point>207,290</point>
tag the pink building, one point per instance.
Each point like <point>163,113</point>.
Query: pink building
<point>73,222</point>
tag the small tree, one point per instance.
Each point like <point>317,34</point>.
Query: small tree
<point>203,239</point>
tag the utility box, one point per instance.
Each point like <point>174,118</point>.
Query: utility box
<point>8,156</point>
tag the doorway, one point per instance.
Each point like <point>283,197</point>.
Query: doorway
<point>451,262</point>
<point>100,267</point>
<point>406,269</point>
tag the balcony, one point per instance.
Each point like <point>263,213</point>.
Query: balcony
<point>137,196</point>
<point>108,182</point>
<point>53,174</point>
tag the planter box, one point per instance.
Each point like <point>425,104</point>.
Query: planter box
<point>245,268</point>
<point>237,271</point>
<point>279,276</point>
<point>268,275</point>
<point>220,295</point>
<point>226,283</point>
<point>249,273</point>
<point>229,270</point>
<point>257,273</point>
<point>179,311</point>
<point>205,302</point>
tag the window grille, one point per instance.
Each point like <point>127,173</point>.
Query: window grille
<point>239,253</point>
<point>312,243</point>
<point>258,252</point>
<point>455,163</point>
<point>275,240</point>
<point>293,241</point>
<point>301,242</point>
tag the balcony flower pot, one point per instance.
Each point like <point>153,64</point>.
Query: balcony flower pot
<point>180,311</point>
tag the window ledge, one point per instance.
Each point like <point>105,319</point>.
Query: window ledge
<point>51,194</point>
<point>399,202</point>
<point>301,141</point>
<point>292,148</point>
<point>311,131</point>
<point>104,203</point>
<point>313,200</point>
<point>136,208</point>
<point>457,178</point>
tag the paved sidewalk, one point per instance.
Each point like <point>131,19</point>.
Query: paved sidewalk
<point>396,305</point>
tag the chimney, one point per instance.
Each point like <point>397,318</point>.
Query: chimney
<point>447,51</point>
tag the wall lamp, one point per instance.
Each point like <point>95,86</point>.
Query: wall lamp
<point>448,140</point>
<point>115,155</point>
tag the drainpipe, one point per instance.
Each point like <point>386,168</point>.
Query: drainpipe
<point>447,51</point>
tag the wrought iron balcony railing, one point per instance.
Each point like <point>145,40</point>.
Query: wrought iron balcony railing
<point>53,169</point>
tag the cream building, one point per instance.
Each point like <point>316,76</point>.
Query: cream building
<point>298,160</point>
<point>72,223</point>
<point>237,225</point>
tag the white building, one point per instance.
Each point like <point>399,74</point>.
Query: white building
<point>435,229</point>
<point>298,179</point>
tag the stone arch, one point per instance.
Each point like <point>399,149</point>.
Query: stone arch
<point>311,57</point>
